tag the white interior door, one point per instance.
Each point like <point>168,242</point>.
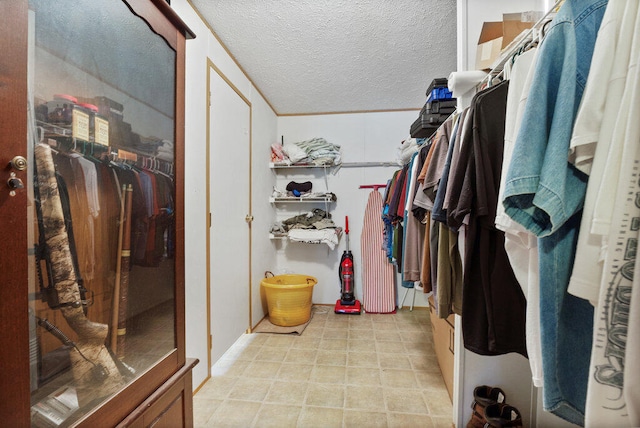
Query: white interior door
<point>229,196</point>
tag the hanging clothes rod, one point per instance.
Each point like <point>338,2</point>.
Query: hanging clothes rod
<point>366,164</point>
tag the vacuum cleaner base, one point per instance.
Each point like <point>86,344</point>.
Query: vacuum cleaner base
<point>353,309</point>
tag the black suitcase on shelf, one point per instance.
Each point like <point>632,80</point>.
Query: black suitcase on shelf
<point>423,128</point>
<point>440,82</point>
<point>440,106</point>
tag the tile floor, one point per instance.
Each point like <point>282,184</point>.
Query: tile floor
<point>371,370</point>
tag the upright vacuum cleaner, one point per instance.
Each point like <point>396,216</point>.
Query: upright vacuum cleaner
<point>347,304</point>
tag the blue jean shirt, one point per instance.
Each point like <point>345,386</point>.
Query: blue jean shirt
<point>545,194</point>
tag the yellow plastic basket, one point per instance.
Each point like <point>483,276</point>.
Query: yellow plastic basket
<point>289,298</point>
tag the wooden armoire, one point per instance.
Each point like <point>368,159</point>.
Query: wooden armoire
<point>92,214</point>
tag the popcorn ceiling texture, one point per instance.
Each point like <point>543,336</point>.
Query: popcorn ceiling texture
<point>315,56</point>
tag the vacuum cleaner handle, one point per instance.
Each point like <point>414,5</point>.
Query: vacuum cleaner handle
<point>346,224</point>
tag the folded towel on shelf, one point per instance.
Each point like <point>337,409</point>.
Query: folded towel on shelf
<point>316,151</point>
<point>330,237</point>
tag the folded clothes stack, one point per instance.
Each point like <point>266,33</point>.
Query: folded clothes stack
<point>314,227</point>
<point>316,151</point>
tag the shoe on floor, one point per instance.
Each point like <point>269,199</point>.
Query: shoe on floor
<point>502,415</point>
<point>483,396</point>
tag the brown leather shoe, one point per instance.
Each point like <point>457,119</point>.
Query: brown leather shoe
<point>483,396</point>
<point>502,415</point>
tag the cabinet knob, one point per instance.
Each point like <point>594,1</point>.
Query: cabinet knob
<point>248,218</point>
<point>19,163</point>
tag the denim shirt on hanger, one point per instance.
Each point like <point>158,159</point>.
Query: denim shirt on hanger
<point>545,194</point>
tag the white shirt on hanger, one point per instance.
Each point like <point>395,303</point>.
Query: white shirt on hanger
<point>521,246</point>
<point>593,133</point>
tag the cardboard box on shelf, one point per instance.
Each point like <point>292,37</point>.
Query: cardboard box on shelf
<point>497,35</point>
<point>489,45</point>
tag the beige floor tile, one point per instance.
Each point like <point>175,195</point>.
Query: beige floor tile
<point>338,322</point>
<point>408,317</point>
<point>320,417</point>
<point>406,420</point>
<point>295,372</point>
<point>314,331</point>
<point>360,323</point>
<point>234,413</point>
<point>403,400</point>
<point>390,347</point>
<point>279,340</point>
<point>301,356</point>
<point>250,389</point>
<point>412,327</point>
<point>217,387</point>
<point>421,348</point>
<point>246,353</point>
<point>442,421</point>
<point>362,345</point>
<point>277,416</point>
<point>427,363</point>
<point>307,342</point>
<point>257,339</point>
<point>416,337</point>
<point>398,361</point>
<point>335,333</point>
<point>388,335</point>
<point>380,318</point>
<point>203,409</point>
<point>325,395</point>
<point>333,344</point>
<point>363,359</point>
<point>394,378</point>
<point>360,418</point>
<point>368,334</point>
<point>429,379</point>
<point>328,374</point>
<point>332,358</point>
<point>315,325</point>
<point>364,397</point>
<point>438,402</point>
<point>262,369</point>
<point>363,376</point>
<point>229,368</point>
<point>385,326</point>
<point>287,392</point>
<point>268,353</point>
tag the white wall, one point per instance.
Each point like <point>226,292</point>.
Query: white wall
<point>204,47</point>
<point>364,137</point>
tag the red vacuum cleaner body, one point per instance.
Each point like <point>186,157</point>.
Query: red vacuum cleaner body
<point>347,304</point>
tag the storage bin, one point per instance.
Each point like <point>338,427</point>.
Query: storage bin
<point>423,127</point>
<point>289,298</point>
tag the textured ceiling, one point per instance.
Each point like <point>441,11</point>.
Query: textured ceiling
<point>319,56</point>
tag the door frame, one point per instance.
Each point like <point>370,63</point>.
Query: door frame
<point>211,67</point>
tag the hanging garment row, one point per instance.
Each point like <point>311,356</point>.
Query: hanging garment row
<point>93,190</point>
<point>535,188</point>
